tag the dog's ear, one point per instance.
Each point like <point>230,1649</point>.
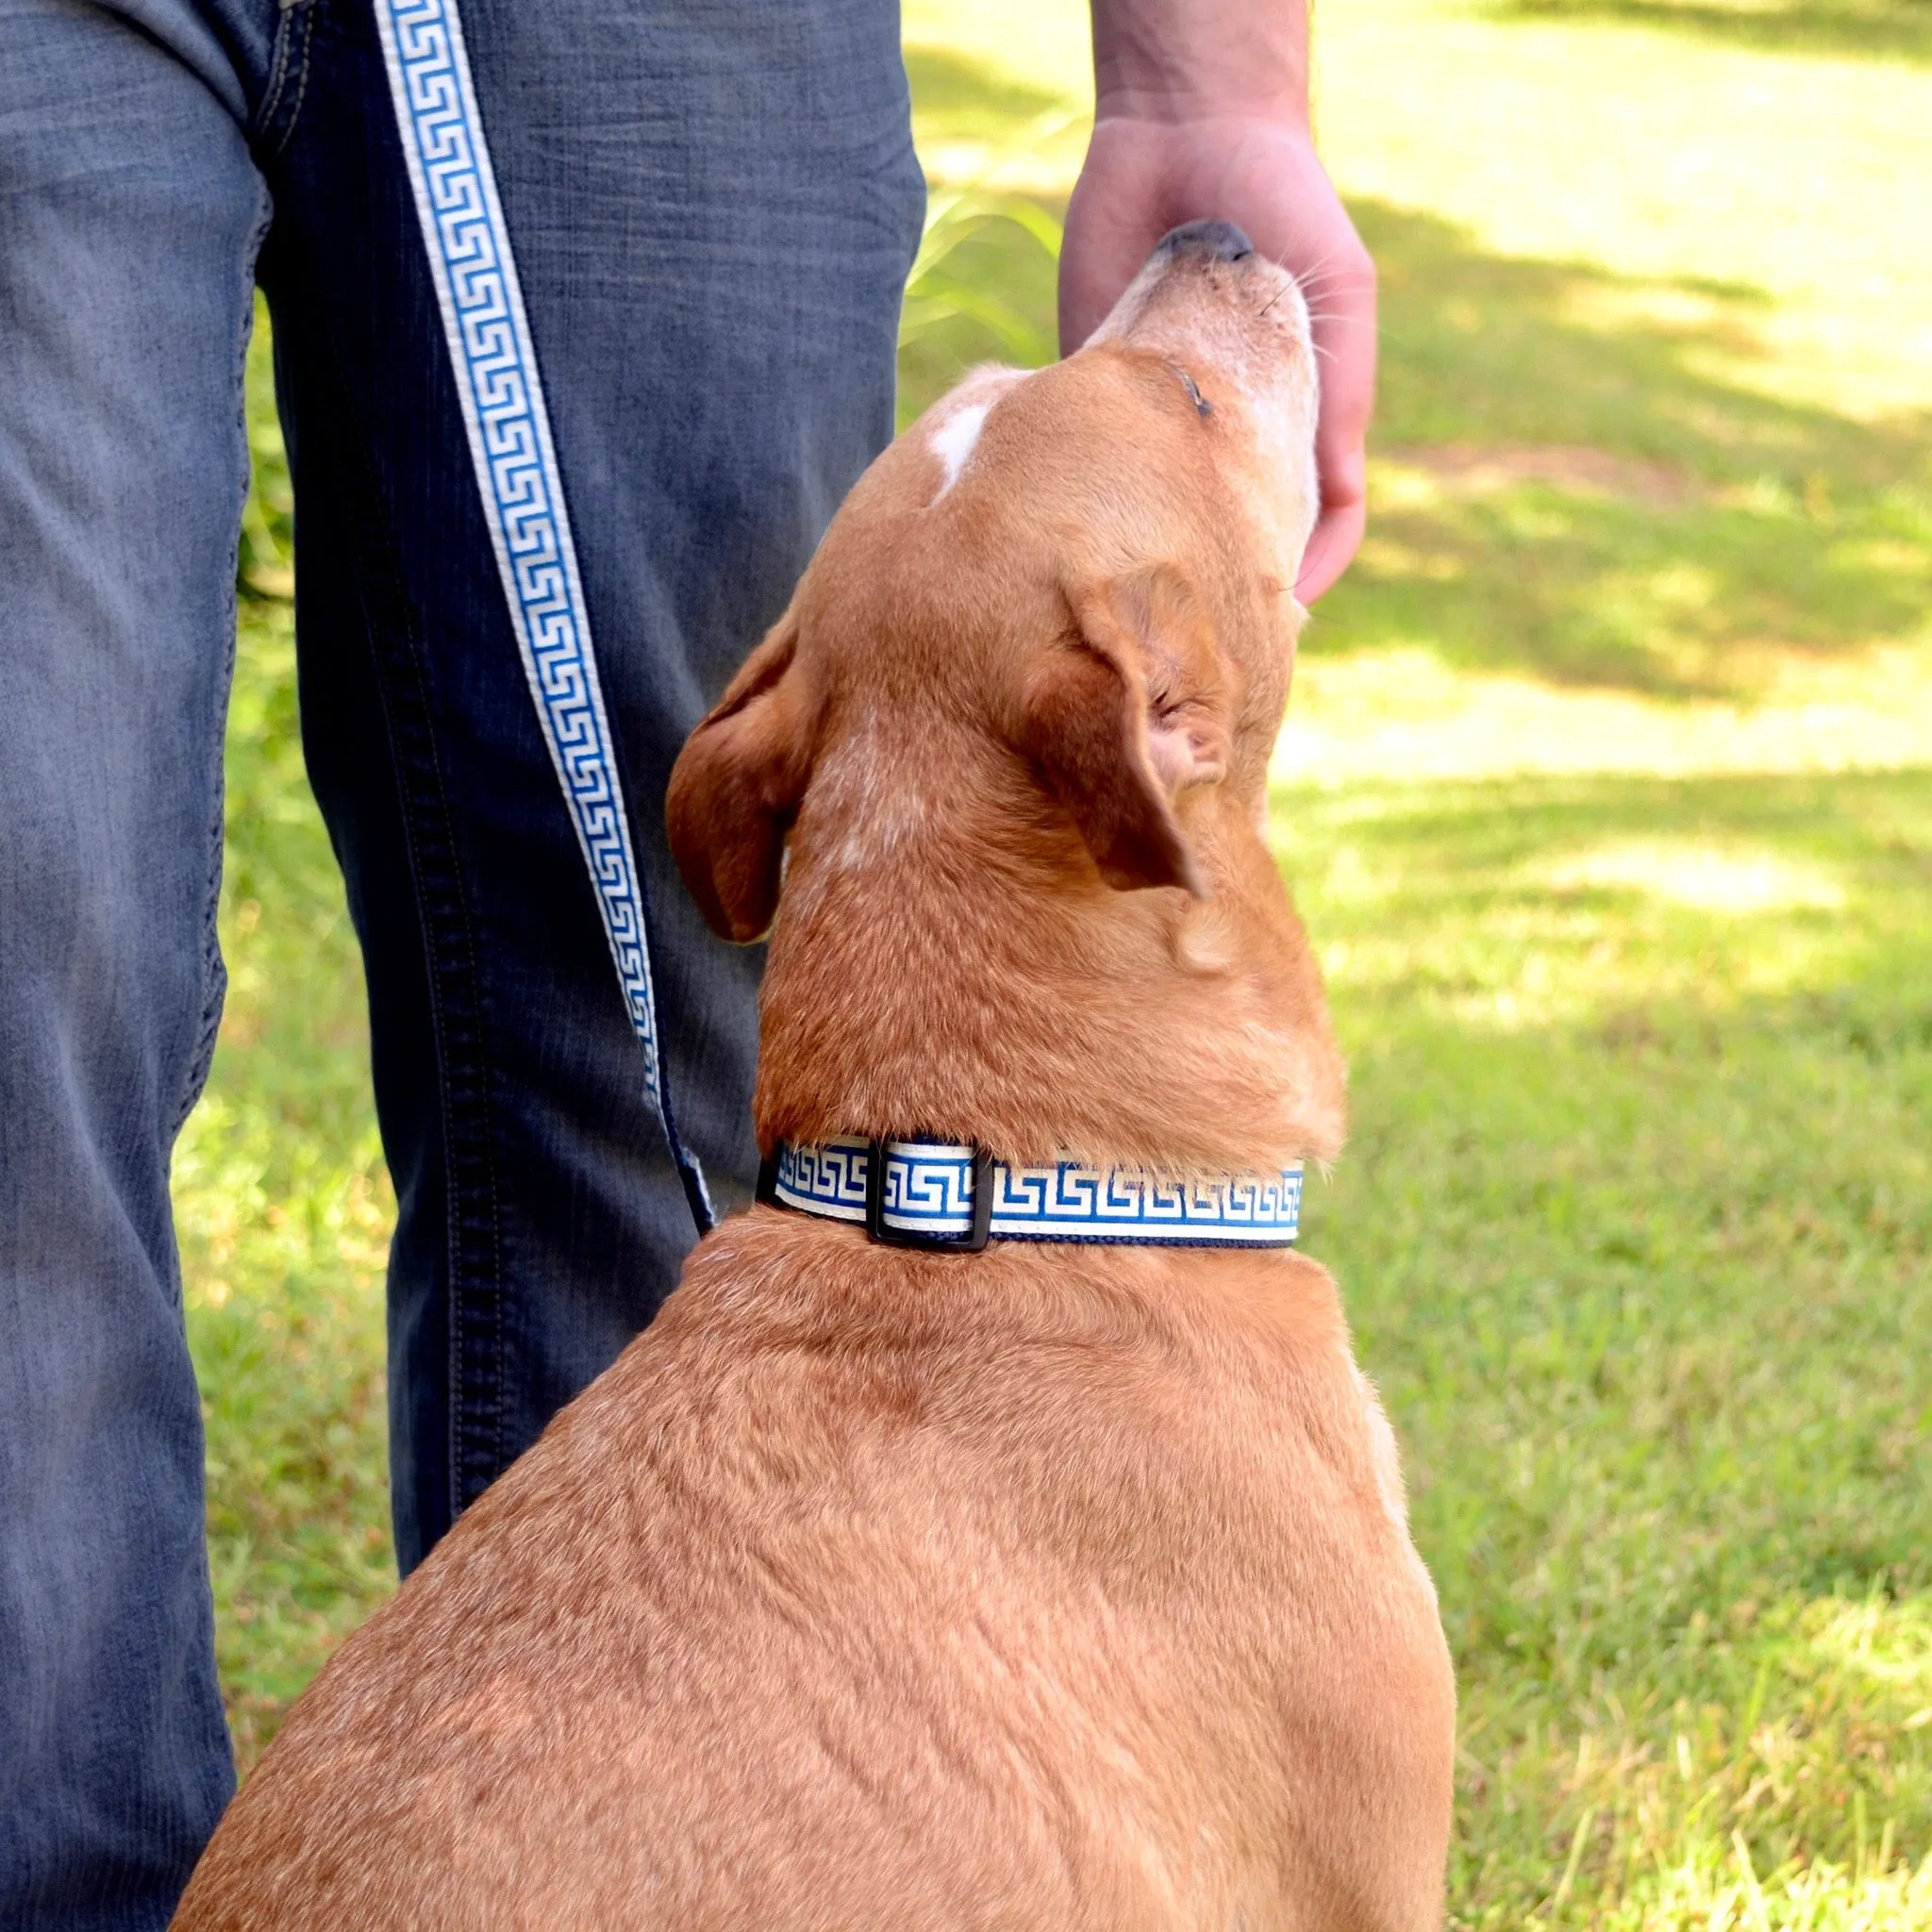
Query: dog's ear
<point>1125,710</point>
<point>735,788</point>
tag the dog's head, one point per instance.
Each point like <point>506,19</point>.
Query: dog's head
<point>1042,655</point>
<point>1093,564</point>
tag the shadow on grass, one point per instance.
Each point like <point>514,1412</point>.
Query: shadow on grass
<point>1897,30</point>
<point>1575,484</point>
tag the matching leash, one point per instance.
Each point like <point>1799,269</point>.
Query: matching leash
<point>952,1197</point>
<point>500,391</point>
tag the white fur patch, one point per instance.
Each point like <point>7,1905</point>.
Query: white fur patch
<point>954,441</point>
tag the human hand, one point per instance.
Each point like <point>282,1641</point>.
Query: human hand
<point>1147,173</point>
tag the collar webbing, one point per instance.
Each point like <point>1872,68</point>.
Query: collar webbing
<point>952,1196</point>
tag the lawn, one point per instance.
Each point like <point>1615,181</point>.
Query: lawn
<point>1607,793</point>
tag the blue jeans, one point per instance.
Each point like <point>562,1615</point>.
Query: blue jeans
<point>538,526</point>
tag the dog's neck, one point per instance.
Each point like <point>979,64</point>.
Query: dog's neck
<point>964,973</point>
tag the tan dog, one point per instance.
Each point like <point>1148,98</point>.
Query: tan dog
<point>1053,1587</point>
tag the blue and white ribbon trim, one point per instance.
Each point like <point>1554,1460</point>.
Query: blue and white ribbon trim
<point>508,426</point>
<point>928,1189</point>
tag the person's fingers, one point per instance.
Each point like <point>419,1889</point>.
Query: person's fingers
<point>1337,537</point>
<point>1342,299</point>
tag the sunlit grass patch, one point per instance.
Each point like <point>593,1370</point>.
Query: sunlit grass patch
<point>1888,31</point>
<point>1773,1792</point>
<point>1404,709</point>
<point>1698,875</point>
<point>1521,902</point>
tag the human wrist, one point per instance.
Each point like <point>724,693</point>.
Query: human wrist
<point>1176,107</point>
<point>1188,60</point>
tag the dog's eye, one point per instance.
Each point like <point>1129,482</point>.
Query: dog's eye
<point>1201,406</point>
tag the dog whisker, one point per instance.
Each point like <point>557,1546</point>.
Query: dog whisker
<point>1307,276</point>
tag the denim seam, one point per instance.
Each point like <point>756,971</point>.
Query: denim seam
<point>214,976</point>
<point>461,1295</point>
<point>297,19</point>
<point>475,1428</point>
<point>439,894</point>
<point>302,80</point>
<point>429,891</point>
<point>277,72</point>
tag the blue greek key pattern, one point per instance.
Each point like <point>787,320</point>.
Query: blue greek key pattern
<point>928,1189</point>
<point>509,428</point>
<point>828,1179</point>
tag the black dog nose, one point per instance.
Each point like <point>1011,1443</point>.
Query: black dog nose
<point>1217,240</point>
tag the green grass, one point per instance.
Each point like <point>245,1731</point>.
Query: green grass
<point>1608,796</point>
<point>1636,1229</point>
<point>281,1199</point>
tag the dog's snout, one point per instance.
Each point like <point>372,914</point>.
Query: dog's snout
<point>1211,241</point>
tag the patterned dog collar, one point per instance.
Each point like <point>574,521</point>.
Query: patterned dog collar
<point>953,1197</point>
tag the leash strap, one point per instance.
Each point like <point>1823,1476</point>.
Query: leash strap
<point>953,1197</point>
<point>508,426</point>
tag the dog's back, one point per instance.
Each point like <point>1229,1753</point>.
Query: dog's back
<point>869,1590</point>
